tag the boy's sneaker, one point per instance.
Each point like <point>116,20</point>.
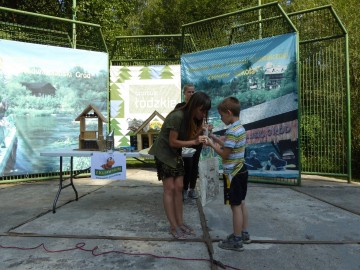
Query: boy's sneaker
<point>231,243</point>
<point>193,194</point>
<point>246,237</point>
<point>185,195</point>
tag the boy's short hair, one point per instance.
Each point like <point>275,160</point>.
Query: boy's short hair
<point>230,103</point>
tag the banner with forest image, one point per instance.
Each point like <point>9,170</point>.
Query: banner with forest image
<point>42,91</point>
<point>262,75</point>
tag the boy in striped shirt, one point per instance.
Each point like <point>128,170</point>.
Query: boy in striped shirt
<point>232,149</point>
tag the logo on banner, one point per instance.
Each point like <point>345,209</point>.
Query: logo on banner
<point>108,166</point>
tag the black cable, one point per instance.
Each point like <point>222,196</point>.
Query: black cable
<point>81,246</point>
<point>218,263</point>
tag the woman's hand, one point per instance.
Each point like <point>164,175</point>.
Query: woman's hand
<point>206,128</point>
<point>201,139</point>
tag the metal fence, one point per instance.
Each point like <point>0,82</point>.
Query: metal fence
<point>36,28</point>
<point>325,93</point>
<point>325,132</point>
<point>238,27</point>
<point>324,106</point>
<point>146,50</point>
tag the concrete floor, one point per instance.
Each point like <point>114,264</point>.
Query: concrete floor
<point>122,225</point>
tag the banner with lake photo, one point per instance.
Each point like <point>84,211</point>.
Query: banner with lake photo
<point>262,74</point>
<point>42,91</point>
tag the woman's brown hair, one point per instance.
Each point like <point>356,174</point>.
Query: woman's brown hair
<point>190,124</point>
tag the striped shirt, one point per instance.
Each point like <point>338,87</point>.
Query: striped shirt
<point>235,138</point>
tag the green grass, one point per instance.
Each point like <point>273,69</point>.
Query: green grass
<point>355,180</point>
<point>136,164</point>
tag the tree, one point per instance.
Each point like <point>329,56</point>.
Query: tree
<point>168,16</point>
<point>151,17</point>
<point>58,8</point>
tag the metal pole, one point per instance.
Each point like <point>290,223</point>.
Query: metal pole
<point>347,68</point>
<point>260,26</point>
<point>74,24</point>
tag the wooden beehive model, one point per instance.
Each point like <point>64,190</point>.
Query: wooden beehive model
<point>91,139</point>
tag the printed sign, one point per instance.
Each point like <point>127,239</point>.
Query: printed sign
<point>262,75</point>
<point>42,91</point>
<point>111,166</point>
<point>136,92</point>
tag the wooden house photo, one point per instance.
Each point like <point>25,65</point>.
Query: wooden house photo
<point>91,139</point>
<point>148,130</point>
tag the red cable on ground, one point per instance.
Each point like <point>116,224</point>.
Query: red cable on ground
<point>81,245</point>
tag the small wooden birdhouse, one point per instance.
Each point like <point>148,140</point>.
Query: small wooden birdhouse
<point>91,139</point>
<point>148,130</point>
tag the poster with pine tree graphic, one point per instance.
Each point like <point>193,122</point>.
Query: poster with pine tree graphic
<point>166,73</point>
<point>145,73</point>
<point>124,75</point>
<point>136,92</point>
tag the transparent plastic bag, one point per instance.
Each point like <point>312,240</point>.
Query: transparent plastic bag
<point>209,177</point>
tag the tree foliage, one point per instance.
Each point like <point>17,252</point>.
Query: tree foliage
<point>152,17</point>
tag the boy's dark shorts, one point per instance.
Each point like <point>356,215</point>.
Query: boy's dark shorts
<point>235,192</point>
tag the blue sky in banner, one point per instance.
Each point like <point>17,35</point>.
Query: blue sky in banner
<point>255,72</point>
<point>45,88</point>
<point>231,60</point>
<point>262,75</point>
<point>54,59</point>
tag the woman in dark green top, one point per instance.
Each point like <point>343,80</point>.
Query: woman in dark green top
<point>181,128</point>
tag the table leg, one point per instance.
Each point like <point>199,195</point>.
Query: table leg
<point>143,161</point>
<point>72,177</point>
<point>61,186</point>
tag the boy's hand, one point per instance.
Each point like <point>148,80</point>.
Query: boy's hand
<point>207,127</point>
<point>201,139</point>
<point>209,142</point>
<point>214,140</point>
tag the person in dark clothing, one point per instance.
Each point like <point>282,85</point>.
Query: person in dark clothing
<point>181,128</point>
<point>188,91</point>
<point>191,164</point>
<point>252,162</point>
<point>275,163</point>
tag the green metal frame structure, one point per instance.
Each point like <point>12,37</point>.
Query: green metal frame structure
<point>324,109</point>
<point>325,128</point>
<point>325,93</point>
<point>36,28</point>
<point>237,27</point>
<point>146,50</point>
